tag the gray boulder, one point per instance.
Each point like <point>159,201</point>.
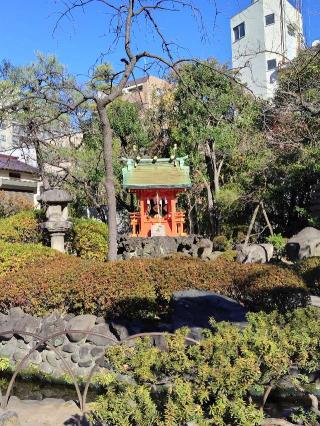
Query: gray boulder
<point>52,324</point>
<point>81,322</point>
<point>9,348</point>
<point>9,418</point>
<point>305,244</point>
<point>205,247</point>
<point>194,308</point>
<point>104,330</point>
<point>254,253</point>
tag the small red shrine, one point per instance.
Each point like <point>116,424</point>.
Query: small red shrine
<point>157,183</point>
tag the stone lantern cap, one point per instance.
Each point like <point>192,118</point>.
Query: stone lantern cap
<point>55,196</point>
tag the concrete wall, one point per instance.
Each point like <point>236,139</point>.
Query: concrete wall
<point>25,177</point>
<point>265,42</point>
<point>145,93</point>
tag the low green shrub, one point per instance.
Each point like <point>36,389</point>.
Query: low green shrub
<point>229,255</point>
<point>278,242</point>
<point>142,288</point>
<point>210,383</point>
<point>14,256</point>
<point>12,203</point>
<point>22,227</point>
<point>90,238</point>
<point>221,243</point>
<point>309,270</point>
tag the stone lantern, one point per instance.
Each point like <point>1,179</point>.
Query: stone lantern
<point>57,224</point>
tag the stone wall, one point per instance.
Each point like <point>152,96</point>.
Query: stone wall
<point>80,350</point>
<point>192,245</point>
<point>73,336</point>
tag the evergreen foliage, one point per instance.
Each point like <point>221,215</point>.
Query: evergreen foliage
<point>211,383</point>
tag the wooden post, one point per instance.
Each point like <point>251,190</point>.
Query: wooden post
<point>173,202</point>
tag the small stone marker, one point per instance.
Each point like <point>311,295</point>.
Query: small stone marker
<point>158,230</point>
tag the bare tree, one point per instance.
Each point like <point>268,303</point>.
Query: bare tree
<point>105,85</point>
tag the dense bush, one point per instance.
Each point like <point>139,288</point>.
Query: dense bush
<point>12,203</point>
<point>211,383</point>
<point>143,287</point>
<point>14,256</point>
<point>309,269</point>
<point>230,255</point>
<point>22,227</point>
<point>221,243</point>
<point>89,239</point>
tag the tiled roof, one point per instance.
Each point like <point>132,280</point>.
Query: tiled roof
<point>137,81</point>
<point>160,174</point>
<point>8,162</point>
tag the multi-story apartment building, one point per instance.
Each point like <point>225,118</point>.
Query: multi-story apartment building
<point>145,90</point>
<point>265,36</point>
<point>10,134</point>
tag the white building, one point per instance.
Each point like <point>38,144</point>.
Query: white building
<point>265,35</point>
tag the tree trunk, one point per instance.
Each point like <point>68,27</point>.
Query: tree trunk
<point>190,214</point>
<point>41,165</point>
<point>253,219</point>
<point>109,182</point>
<point>212,187</point>
<point>266,218</point>
<point>266,396</point>
<point>211,210</point>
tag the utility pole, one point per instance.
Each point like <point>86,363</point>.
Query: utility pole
<point>299,29</point>
<point>283,30</point>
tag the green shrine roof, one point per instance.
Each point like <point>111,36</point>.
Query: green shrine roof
<point>160,173</point>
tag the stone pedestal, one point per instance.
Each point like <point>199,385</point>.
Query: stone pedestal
<point>56,203</point>
<point>57,241</point>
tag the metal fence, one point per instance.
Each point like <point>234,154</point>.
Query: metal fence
<point>45,341</point>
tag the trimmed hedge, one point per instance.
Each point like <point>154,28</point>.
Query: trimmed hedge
<point>90,238</point>
<point>142,288</point>
<point>22,227</point>
<point>309,270</point>
<point>14,256</point>
<point>12,203</point>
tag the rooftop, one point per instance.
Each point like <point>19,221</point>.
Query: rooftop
<point>9,162</point>
<point>137,81</point>
<point>161,173</point>
<point>291,2</point>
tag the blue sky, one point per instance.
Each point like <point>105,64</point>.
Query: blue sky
<point>27,26</point>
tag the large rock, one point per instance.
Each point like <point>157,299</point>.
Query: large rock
<point>194,308</point>
<point>29,324</point>
<point>9,348</point>
<point>254,253</point>
<point>81,322</point>
<point>205,247</point>
<point>54,323</point>
<point>191,245</point>
<point>9,418</point>
<point>305,244</point>
<point>104,330</point>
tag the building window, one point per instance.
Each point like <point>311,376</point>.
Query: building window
<point>239,31</point>
<point>272,64</point>
<point>14,175</point>
<point>270,19</point>
<point>291,30</point>
<point>3,138</point>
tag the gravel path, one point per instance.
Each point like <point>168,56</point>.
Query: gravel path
<point>48,412</point>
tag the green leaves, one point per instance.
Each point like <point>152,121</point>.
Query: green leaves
<point>211,383</point>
